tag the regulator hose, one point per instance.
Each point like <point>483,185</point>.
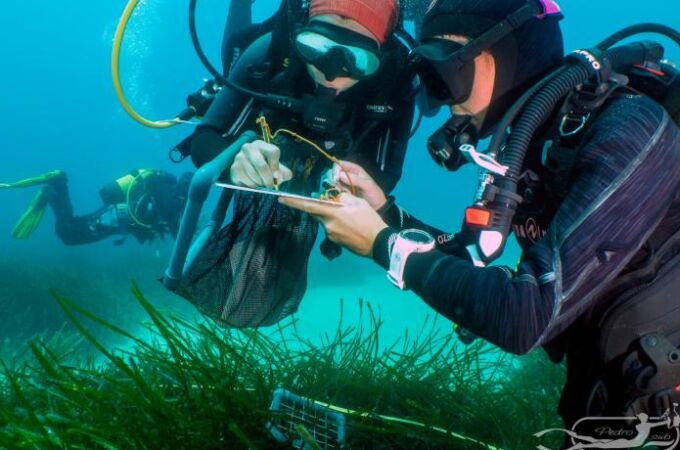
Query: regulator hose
<point>510,116</point>
<point>115,72</point>
<point>532,109</point>
<point>275,101</point>
<point>542,104</point>
<point>620,57</point>
<point>656,28</point>
<point>536,112</point>
<point>199,49</point>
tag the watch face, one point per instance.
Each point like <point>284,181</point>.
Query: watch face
<point>417,237</point>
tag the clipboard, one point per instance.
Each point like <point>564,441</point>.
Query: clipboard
<point>275,193</point>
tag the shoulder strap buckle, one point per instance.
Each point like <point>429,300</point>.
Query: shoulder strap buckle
<point>585,101</point>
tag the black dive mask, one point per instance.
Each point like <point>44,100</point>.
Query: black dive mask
<point>448,79</point>
<point>444,145</point>
<point>337,51</point>
<point>447,68</point>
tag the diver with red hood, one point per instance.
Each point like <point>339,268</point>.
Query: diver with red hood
<point>348,91</point>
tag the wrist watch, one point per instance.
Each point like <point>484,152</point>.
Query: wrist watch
<point>407,242</point>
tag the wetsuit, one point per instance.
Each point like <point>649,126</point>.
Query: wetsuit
<point>624,194</point>
<point>160,212</point>
<point>380,147</point>
<point>254,272</point>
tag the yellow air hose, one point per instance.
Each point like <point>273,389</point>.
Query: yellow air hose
<point>132,211</point>
<point>115,70</point>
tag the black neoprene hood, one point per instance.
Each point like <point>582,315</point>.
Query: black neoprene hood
<point>450,22</point>
<point>521,58</point>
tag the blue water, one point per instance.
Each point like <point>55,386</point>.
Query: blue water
<point>59,110</point>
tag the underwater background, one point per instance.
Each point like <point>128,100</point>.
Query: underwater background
<point>59,111</point>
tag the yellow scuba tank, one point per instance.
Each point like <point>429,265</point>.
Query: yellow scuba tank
<point>129,190</point>
<point>117,191</point>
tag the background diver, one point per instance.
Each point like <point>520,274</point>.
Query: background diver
<point>145,203</point>
<point>341,65</point>
<point>597,203</point>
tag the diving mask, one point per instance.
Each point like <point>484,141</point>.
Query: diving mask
<point>446,67</point>
<point>448,80</point>
<point>337,51</point>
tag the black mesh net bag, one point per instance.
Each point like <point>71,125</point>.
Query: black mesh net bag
<point>254,271</point>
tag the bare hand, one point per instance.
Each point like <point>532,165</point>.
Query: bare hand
<point>257,165</point>
<point>353,224</point>
<point>364,186</point>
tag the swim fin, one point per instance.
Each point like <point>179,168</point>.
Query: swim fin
<point>30,219</point>
<point>35,181</point>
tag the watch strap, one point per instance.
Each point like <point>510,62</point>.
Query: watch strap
<point>382,246</point>
<point>398,256</point>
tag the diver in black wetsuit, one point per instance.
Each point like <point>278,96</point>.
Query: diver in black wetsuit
<point>146,204</point>
<point>348,70</point>
<point>386,87</point>
<point>598,222</point>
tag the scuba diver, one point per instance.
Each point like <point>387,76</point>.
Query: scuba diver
<point>331,74</point>
<point>145,203</point>
<point>583,167</point>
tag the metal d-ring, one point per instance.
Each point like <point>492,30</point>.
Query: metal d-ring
<point>582,123</point>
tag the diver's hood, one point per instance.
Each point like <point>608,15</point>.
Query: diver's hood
<point>521,58</point>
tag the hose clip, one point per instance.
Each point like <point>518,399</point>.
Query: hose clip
<point>483,160</point>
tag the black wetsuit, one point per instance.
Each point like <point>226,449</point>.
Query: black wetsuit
<point>625,193</point>
<point>159,212</point>
<point>380,147</point>
<point>254,272</point>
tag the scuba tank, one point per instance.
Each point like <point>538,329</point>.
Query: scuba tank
<point>134,192</point>
<point>118,191</point>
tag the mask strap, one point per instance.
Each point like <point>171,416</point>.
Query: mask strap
<point>342,35</point>
<point>532,10</point>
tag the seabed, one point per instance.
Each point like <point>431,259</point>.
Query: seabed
<point>195,385</point>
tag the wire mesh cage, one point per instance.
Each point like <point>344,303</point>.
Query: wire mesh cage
<point>303,423</point>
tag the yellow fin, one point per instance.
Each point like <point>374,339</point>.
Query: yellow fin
<point>30,220</point>
<point>34,181</point>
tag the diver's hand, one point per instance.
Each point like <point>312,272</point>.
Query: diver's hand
<point>353,224</point>
<point>364,186</point>
<point>257,165</point>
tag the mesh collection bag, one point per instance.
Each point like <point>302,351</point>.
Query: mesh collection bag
<point>254,271</point>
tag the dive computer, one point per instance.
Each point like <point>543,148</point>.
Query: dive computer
<point>407,242</point>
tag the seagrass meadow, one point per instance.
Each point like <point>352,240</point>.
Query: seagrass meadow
<point>194,385</point>
<point>88,361</point>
